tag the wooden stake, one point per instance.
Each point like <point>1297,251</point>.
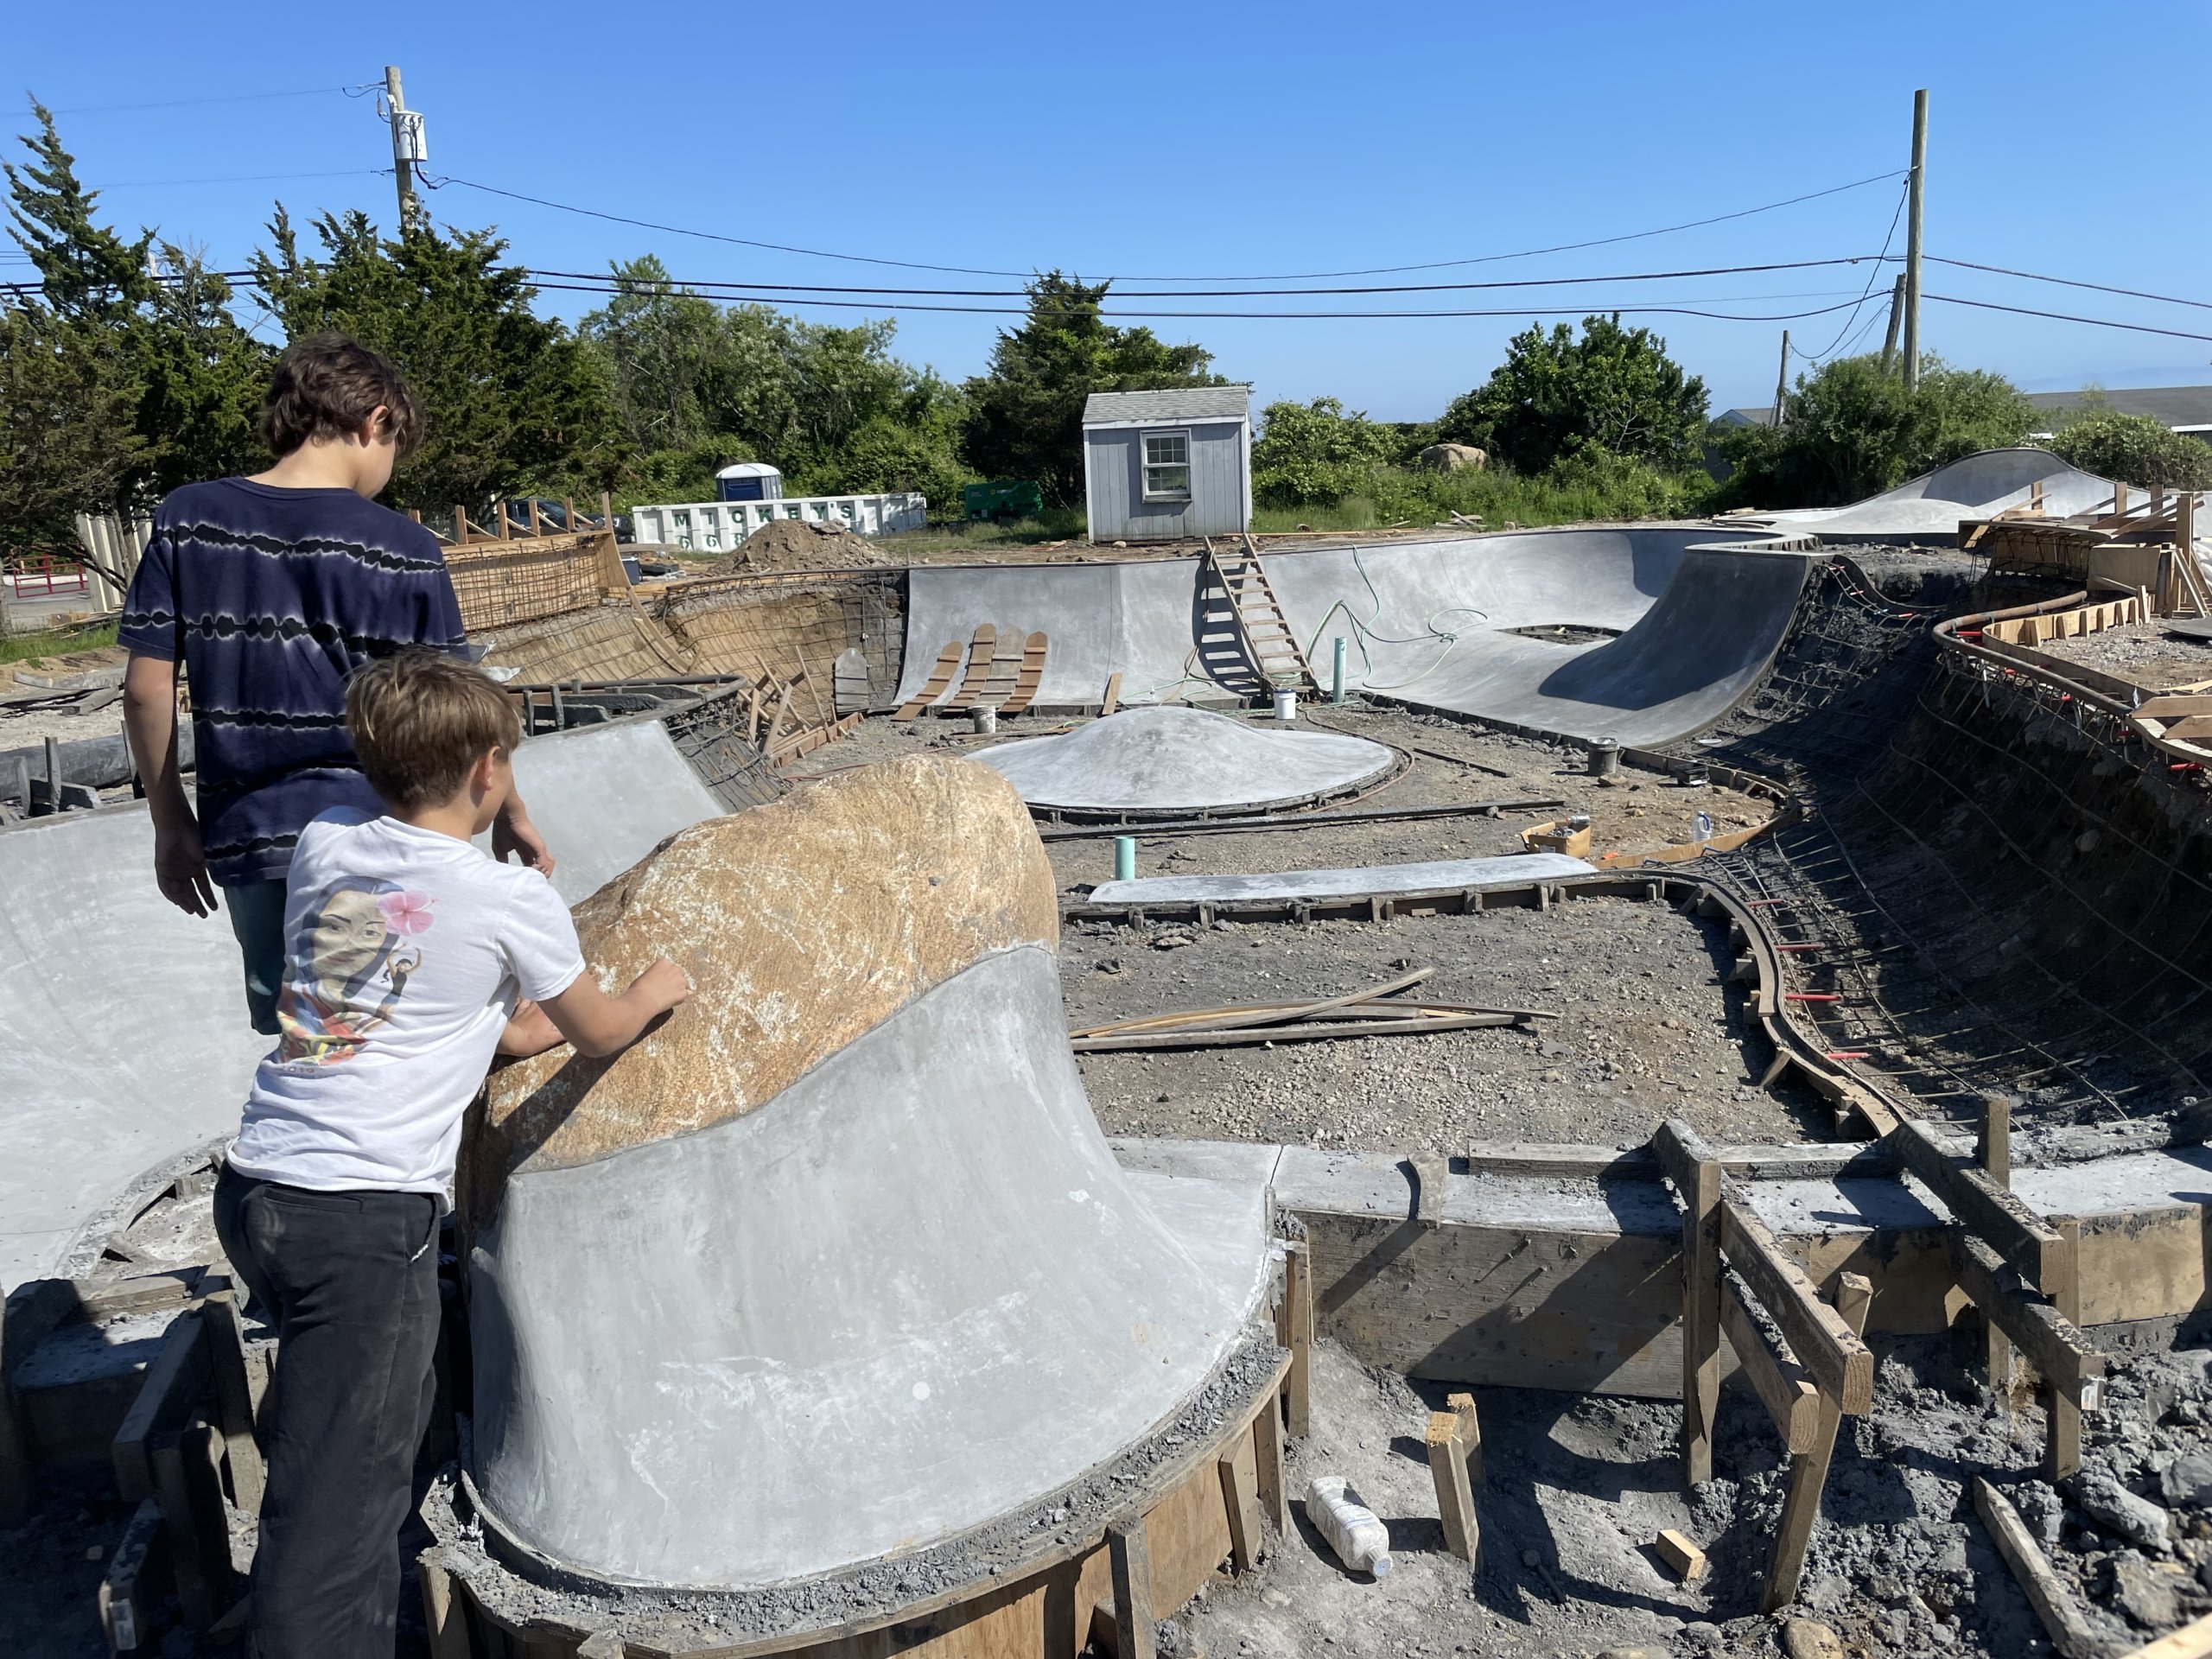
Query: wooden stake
<point>1268,1475</point>
<point>446,1620</point>
<point>1448,1432</point>
<point>1993,1152</point>
<point>1240,1496</point>
<point>2047,1594</point>
<point>190,1489</point>
<point>1129,1559</point>
<point>1297,1334</point>
<point>1113,699</point>
<point>506,529</point>
<point>2063,1444</point>
<point>1697,1182</point>
<point>226,1335</point>
<point>130,1593</point>
<point>1809,1471</point>
<point>2192,1640</point>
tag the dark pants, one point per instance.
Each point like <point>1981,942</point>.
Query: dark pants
<point>256,911</point>
<point>349,1280</point>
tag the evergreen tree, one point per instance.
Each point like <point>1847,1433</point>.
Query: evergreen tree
<point>1025,417</point>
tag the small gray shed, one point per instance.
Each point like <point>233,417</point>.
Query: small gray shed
<point>1159,465</point>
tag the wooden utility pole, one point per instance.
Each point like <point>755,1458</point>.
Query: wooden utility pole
<point>1782,380</point>
<point>408,148</point>
<point>1896,316</point>
<point>1915,189</point>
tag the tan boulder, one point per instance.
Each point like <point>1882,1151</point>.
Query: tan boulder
<point>802,924</point>
<point>1450,457</point>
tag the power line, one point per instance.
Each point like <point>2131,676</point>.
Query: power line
<point>2067,281</point>
<point>188,103</point>
<point>1315,276</point>
<point>661,284</point>
<point>2060,316</point>
<point>1888,237</point>
<point>248,178</point>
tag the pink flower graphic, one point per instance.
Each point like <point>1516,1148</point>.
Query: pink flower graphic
<point>406,913</point>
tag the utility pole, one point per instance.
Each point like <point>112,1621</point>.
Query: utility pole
<point>1896,316</point>
<point>1782,380</point>
<point>409,149</point>
<point>1915,189</point>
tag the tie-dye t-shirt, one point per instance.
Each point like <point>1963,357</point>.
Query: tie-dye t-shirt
<point>270,599</point>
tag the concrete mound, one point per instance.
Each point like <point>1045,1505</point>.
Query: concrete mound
<point>1170,762</point>
<point>837,1262</point>
<point>805,544</point>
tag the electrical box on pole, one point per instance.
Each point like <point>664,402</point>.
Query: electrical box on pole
<point>410,145</point>
<point>1916,188</point>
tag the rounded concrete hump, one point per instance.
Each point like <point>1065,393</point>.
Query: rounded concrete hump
<point>1169,761</point>
<point>837,1263</point>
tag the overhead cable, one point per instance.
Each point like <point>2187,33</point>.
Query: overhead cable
<point>188,103</point>
<point>2069,281</point>
<point>2060,316</point>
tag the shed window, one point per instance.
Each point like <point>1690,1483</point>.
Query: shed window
<point>1168,466</point>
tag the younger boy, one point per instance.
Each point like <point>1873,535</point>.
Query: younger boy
<point>271,591</point>
<point>406,950</point>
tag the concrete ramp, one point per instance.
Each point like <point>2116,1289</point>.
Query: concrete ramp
<point>1699,613</point>
<point>1929,508</point>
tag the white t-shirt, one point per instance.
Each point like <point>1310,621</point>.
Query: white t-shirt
<point>404,953</point>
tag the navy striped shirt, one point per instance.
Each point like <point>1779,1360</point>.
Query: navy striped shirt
<point>270,599</point>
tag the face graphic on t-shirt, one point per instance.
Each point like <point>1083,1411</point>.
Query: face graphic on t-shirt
<point>348,934</point>
<point>349,964</point>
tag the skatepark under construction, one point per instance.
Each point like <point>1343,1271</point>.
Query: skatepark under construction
<point>831,1319</point>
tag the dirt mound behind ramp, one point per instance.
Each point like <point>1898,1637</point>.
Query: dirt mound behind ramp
<point>804,544</point>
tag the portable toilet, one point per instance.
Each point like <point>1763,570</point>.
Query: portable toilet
<point>749,481</point>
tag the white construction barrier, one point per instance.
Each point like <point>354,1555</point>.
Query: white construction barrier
<point>706,526</point>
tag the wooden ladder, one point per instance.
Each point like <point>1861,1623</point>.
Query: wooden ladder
<point>1238,597</point>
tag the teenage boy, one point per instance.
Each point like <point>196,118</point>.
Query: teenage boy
<point>407,950</point>
<point>273,591</point>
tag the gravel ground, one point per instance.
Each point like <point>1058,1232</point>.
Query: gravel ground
<point>2143,653</point>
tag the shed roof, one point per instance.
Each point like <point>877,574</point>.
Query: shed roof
<point>1176,403</point>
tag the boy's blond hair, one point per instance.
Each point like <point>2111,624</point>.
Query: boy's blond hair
<point>420,720</point>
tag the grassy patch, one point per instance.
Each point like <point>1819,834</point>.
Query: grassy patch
<point>1382,496</point>
<point>54,642</point>
<point>963,536</point>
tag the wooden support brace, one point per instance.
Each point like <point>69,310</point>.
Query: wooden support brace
<point>2020,1236</point>
<point>1296,1333</point>
<point>130,1594</point>
<point>1808,1470</point>
<point>2046,1338</point>
<point>1450,1434</point>
<point>1129,1558</point>
<point>1270,1478</point>
<point>175,1380</point>
<point>189,1483</point>
<point>2062,1456</point>
<point>1240,1496</point>
<point>443,1616</point>
<point>2069,1631</point>
<point>1841,1363</point>
<point>1696,1176</point>
<point>1788,1393</point>
<point>1429,1171</point>
<point>2192,1640</point>
<point>1993,1152</point>
<point>226,1335</point>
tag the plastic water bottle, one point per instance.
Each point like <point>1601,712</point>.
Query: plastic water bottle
<point>1703,826</point>
<point>1361,1541</point>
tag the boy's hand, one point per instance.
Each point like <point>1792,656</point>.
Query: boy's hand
<point>661,986</point>
<point>181,869</point>
<point>513,832</point>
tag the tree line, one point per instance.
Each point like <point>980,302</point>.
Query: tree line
<point>127,369</point>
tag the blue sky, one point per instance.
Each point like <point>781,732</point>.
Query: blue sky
<point>1222,141</point>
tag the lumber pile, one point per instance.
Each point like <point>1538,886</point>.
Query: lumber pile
<point>1378,1012</point>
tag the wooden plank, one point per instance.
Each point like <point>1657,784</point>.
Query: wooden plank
<point>1112,697</point>
<point>948,661</point>
<point>174,1381</point>
<point>145,1294</point>
<point>2192,1640</point>
<point>1298,1335</point>
<point>1823,1344</point>
<point>1993,1152</point>
<point>1696,1177</point>
<point>1033,676</point>
<point>1684,1559</point>
<point>1240,1499</point>
<point>1809,1471</point>
<point>1782,1385</point>
<point>189,1487</point>
<point>2069,1631</point>
<point>1470,1433</point>
<point>2020,1236</point>
<point>131,1591</point>
<point>1447,1469</point>
<point>226,1336</point>
<point>444,1617</point>
<point>2046,1340</point>
<point>2062,1456</point>
<point>1270,1478</point>
<point>1129,1560</point>
<point>33,1310</point>
<point>981,656</point>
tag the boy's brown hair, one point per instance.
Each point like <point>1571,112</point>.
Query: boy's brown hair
<point>326,386</point>
<point>420,720</point>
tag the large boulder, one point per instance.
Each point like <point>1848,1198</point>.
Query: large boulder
<point>1450,457</point>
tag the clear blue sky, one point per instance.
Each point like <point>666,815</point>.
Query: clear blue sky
<point>1226,140</point>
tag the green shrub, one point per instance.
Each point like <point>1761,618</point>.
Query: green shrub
<point>2133,449</point>
<point>1614,388</point>
<point>1308,455</point>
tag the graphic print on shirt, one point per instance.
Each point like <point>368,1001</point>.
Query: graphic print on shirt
<point>348,966</point>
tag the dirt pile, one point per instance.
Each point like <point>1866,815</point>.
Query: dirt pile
<point>805,544</point>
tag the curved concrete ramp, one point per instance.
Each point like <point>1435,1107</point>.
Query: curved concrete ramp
<point>1699,612</point>
<point>837,1262</point>
<point>1929,508</point>
<point>1174,761</point>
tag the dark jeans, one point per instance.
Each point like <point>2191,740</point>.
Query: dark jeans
<point>349,1280</point>
<point>257,913</point>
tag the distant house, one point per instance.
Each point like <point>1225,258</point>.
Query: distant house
<point>2178,409</point>
<point>1159,465</point>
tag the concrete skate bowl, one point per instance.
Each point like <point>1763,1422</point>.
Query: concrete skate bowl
<point>1690,617</point>
<point>1176,763</point>
<point>1928,509</point>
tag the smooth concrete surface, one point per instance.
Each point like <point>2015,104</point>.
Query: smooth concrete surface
<point>1929,508</point>
<point>605,796</point>
<point>124,1039</point>
<point>1478,875</point>
<point>912,1291</point>
<point>1174,761</point>
<point>1699,612</point>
